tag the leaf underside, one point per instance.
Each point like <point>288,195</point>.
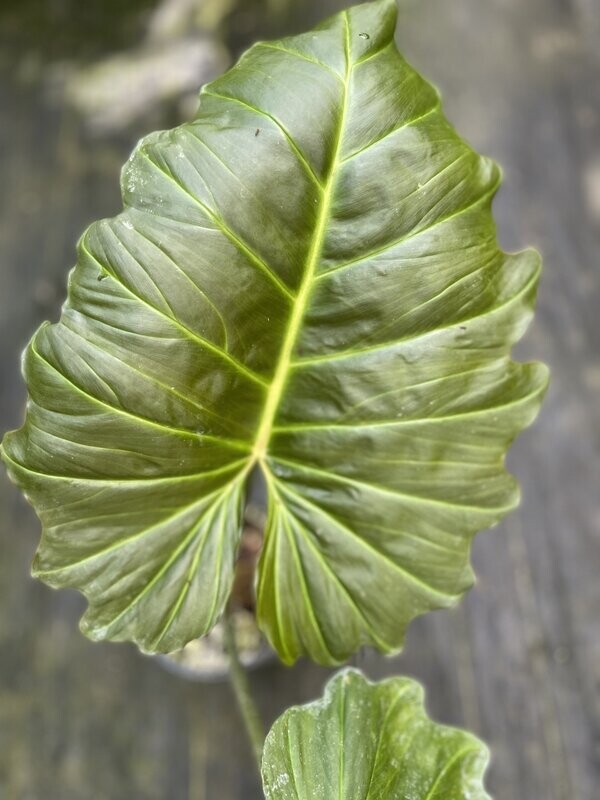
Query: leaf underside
<point>365,741</point>
<point>305,280</point>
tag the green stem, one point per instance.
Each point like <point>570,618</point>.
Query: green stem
<point>241,688</point>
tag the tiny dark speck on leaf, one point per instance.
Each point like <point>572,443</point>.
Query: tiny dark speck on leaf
<point>463,327</point>
<point>364,35</point>
<point>257,131</point>
<point>101,277</point>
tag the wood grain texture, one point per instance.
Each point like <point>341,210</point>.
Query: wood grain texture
<point>519,662</point>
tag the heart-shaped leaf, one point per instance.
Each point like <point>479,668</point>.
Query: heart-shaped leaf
<point>370,741</point>
<point>305,280</point>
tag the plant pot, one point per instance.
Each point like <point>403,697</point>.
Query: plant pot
<point>206,659</point>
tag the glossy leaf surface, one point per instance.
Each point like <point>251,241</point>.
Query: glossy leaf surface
<point>305,280</point>
<point>366,741</point>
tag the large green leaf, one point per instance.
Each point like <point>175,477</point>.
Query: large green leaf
<point>305,280</point>
<point>366,741</point>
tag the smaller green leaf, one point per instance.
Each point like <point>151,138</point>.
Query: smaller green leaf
<point>370,741</point>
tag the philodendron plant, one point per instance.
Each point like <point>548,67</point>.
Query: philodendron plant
<point>305,283</point>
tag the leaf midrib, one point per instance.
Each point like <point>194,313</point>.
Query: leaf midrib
<point>275,391</point>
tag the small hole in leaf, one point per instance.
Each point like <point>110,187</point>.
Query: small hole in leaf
<point>364,35</point>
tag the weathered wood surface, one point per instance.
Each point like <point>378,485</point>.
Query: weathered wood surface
<point>519,662</point>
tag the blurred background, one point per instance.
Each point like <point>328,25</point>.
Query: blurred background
<point>519,662</point>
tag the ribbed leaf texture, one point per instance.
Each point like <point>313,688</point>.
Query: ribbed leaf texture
<point>305,280</point>
<point>370,741</point>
